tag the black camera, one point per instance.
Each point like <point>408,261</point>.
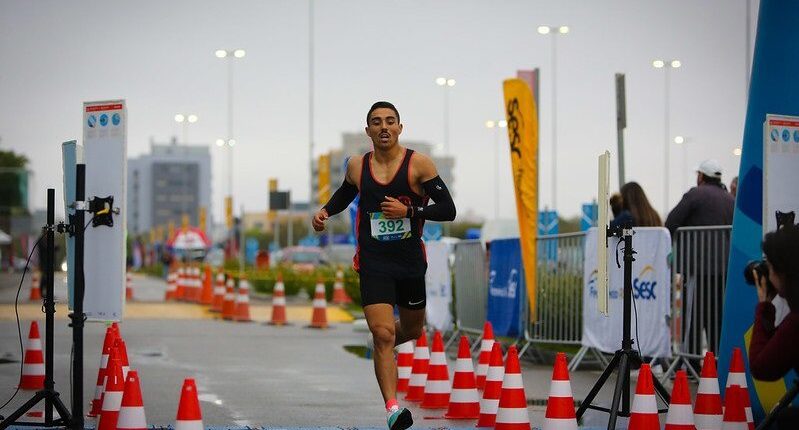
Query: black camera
<point>761,268</point>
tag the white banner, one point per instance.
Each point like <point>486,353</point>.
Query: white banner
<point>780,165</point>
<point>105,152</point>
<point>439,286</point>
<point>651,293</point>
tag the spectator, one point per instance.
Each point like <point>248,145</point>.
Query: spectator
<point>615,204</point>
<point>635,208</point>
<point>704,205</point>
<point>774,351</point>
<point>734,187</point>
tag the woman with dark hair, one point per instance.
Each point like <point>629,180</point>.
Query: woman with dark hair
<point>774,350</point>
<point>636,209</point>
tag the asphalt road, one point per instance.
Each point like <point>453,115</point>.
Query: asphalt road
<point>248,374</point>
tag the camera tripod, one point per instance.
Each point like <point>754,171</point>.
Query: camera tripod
<point>626,358</point>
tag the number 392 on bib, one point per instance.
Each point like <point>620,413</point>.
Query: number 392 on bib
<point>389,229</point>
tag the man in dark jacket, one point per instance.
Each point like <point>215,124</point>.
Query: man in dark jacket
<point>707,204</point>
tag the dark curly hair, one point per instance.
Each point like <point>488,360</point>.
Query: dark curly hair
<point>781,248</point>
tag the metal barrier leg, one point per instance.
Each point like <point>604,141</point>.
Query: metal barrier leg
<point>667,374</point>
<point>452,338</point>
<point>577,359</point>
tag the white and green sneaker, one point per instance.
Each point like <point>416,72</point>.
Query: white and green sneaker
<point>400,419</point>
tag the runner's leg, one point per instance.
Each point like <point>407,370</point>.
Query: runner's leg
<point>380,318</point>
<point>410,325</point>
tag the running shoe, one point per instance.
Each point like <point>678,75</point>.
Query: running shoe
<point>401,419</point>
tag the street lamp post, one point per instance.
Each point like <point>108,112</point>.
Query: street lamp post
<point>554,32</point>
<point>230,55</point>
<point>185,120</point>
<point>496,125</point>
<point>666,65</point>
<point>446,83</point>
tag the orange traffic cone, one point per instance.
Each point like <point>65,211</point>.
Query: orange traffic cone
<point>119,343</point>
<point>680,416</point>
<point>207,295</point>
<point>707,409</point>
<point>108,344</point>
<point>131,413</point>
<point>486,345</point>
<point>171,285</point>
<point>489,403</point>
<point>219,293</point>
<point>112,397</point>
<point>644,412</point>
<point>36,291</point>
<point>404,365</point>
<point>319,316</point>
<point>195,285</point>
<point>229,302</point>
<point>464,402</point>
<point>33,363</point>
<point>437,388</point>
<point>243,301</point>
<point>128,287</point>
<point>180,291</point>
<point>560,405</point>
<point>737,376</point>
<point>189,414</point>
<point>734,410</point>
<point>512,411</point>
<point>421,362</point>
<point>278,302</point>
<point>340,296</point>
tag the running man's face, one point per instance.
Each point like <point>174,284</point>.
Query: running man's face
<point>384,128</point>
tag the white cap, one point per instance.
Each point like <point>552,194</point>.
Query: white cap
<point>710,168</point>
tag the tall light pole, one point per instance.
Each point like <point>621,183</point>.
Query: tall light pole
<point>446,83</point>
<point>496,125</point>
<point>666,65</point>
<point>311,206</point>
<point>682,142</point>
<point>230,55</point>
<point>554,32</point>
<point>185,120</point>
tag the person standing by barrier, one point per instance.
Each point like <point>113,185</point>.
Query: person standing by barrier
<point>635,208</point>
<point>395,184</point>
<point>773,351</point>
<point>707,204</point>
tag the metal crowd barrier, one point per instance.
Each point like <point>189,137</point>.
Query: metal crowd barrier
<point>559,291</point>
<point>471,289</point>
<point>699,274</point>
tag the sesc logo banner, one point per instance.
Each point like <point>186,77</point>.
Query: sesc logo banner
<point>506,288</point>
<point>651,278</point>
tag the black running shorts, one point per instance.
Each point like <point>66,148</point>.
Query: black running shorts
<point>408,293</point>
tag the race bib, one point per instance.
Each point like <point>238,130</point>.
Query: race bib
<point>389,229</point>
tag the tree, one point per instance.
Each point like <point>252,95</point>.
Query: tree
<point>13,183</point>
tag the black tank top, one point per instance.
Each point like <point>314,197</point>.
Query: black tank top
<point>389,247</point>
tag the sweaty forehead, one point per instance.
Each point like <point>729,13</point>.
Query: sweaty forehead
<point>382,113</point>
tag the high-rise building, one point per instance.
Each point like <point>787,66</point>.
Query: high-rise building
<point>171,181</point>
<point>359,144</point>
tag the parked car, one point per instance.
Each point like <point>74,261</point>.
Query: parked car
<point>304,258</point>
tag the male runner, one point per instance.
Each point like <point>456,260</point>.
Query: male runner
<point>395,184</point>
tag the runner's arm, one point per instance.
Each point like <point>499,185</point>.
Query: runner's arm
<point>342,198</point>
<point>443,208</point>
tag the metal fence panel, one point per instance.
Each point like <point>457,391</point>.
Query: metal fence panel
<point>471,286</point>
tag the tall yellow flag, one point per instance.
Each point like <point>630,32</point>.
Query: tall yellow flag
<point>324,178</point>
<point>520,112</point>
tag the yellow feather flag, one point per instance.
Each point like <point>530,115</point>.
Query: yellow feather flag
<point>520,112</point>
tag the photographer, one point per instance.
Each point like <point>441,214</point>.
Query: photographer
<point>775,351</point>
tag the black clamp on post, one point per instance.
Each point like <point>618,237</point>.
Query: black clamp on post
<point>102,209</point>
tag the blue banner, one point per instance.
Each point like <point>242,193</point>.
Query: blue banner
<point>588,219</point>
<point>773,89</point>
<point>548,224</point>
<point>506,287</point>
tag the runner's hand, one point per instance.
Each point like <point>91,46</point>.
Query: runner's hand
<point>393,208</point>
<point>319,220</point>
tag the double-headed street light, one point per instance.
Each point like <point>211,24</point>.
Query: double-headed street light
<point>446,83</point>
<point>229,141</point>
<point>561,30</point>
<point>496,125</point>
<point>666,65</point>
<point>185,120</point>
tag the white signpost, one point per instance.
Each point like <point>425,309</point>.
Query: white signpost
<point>105,152</point>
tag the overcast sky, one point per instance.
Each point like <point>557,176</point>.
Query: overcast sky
<point>159,56</point>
